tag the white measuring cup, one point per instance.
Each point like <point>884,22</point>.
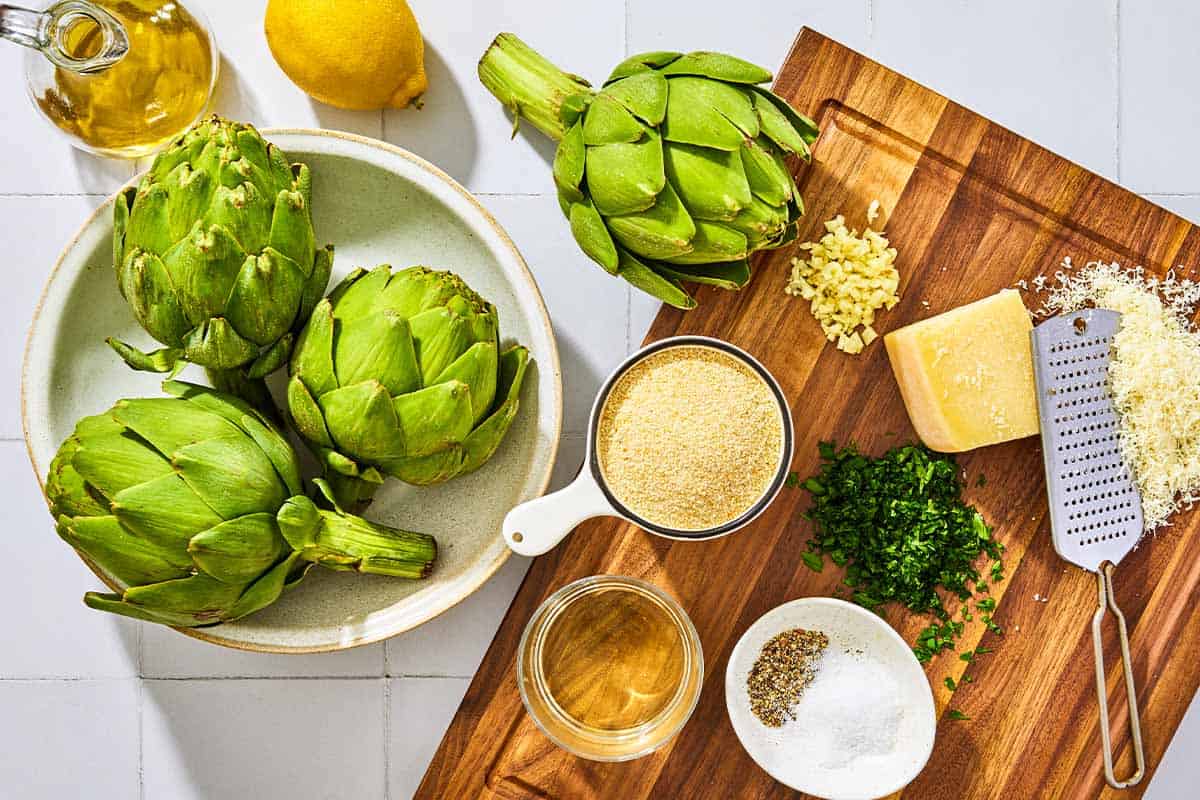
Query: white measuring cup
<point>535,527</point>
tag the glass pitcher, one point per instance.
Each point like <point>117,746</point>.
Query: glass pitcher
<point>119,77</point>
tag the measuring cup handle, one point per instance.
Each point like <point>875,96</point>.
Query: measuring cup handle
<point>532,528</point>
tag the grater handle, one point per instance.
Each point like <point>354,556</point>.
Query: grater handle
<point>1109,603</point>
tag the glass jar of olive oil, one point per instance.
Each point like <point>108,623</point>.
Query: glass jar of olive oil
<point>119,77</point>
<point>610,668</point>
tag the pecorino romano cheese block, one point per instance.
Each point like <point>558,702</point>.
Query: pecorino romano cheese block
<point>967,375</point>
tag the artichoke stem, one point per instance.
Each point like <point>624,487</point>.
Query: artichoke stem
<point>529,85</point>
<point>375,549</point>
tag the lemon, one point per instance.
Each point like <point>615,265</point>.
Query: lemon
<point>357,54</point>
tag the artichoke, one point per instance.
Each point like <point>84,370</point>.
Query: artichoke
<point>214,252</point>
<point>673,171</point>
<point>401,374</point>
<point>192,506</point>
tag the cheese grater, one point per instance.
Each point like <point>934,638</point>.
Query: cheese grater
<point>1095,508</point>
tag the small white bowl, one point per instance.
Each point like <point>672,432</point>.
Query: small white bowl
<point>801,754</point>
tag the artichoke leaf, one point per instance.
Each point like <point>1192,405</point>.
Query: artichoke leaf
<point>112,460</point>
<point>608,122</point>
<point>482,443</point>
<point>573,106</point>
<point>145,283</point>
<point>237,382</point>
<point>717,66</point>
<point>203,268</point>
<point>777,127</point>
<point>624,178</point>
<point>713,242</point>
<point>641,62</point>
<point>291,231</point>
<point>711,183</point>
<point>569,161</point>
<point>67,492</point>
<point>729,275</point>
<point>266,294</point>
<point>128,559</point>
<point>435,418</point>
<point>376,347</point>
<point>169,425</point>
<point>121,204</point>
<point>662,231</point>
<point>429,469</point>
<point>768,176</point>
<point>760,223</point>
<point>248,419</point>
<point>250,485</point>
<point>590,232</point>
<point>270,359</point>
<point>306,414</point>
<point>642,277</point>
<point>351,491</point>
<point>115,604</point>
<point>440,336</point>
<point>239,549</point>
<point>164,510</point>
<point>644,94</point>
<point>216,345</point>
<point>269,587</point>
<point>312,358</point>
<point>477,368</point>
<point>708,113</point>
<point>361,420</point>
<point>204,598</point>
<point>245,211</point>
<point>359,292</point>
<point>166,359</point>
<point>807,129</point>
<point>314,287</point>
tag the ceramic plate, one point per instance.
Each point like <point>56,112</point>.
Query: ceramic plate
<point>377,204</point>
<point>819,752</point>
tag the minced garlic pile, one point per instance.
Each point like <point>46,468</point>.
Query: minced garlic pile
<point>1154,376</point>
<point>847,278</point>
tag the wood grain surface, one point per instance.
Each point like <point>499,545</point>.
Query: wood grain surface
<point>972,208</point>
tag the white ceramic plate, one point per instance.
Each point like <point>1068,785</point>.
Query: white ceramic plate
<point>378,204</point>
<point>810,754</point>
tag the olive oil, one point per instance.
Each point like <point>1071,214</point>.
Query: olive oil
<point>155,92</point>
<point>613,659</point>
<point>610,667</point>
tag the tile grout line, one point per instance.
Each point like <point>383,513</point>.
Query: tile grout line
<point>53,194</point>
<point>141,738</point>
<point>387,735</point>
<point>1117,63</point>
<point>870,19</point>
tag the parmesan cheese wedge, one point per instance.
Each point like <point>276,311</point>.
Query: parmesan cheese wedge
<point>967,375</point>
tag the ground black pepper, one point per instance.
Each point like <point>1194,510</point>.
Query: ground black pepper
<point>785,666</point>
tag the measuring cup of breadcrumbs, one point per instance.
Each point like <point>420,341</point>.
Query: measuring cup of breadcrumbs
<point>690,438</point>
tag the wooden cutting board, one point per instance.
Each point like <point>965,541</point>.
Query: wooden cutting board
<point>972,208</point>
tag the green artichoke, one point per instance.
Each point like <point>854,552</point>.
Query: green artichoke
<point>672,172</point>
<point>402,374</point>
<point>214,252</point>
<point>192,506</point>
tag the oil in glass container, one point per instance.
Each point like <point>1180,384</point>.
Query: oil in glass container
<point>154,93</point>
<point>611,667</point>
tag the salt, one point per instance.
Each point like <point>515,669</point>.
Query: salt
<point>850,710</point>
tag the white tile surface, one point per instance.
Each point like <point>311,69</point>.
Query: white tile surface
<point>167,654</point>
<point>331,726</point>
<point>588,307</point>
<point>59,736</point>
<point>266,740</point>
<point>50,632</point>
<point>462,128</point>
<point>34,230</point>
<point>1160,107</point>
<point>1045,69</point>
<point>424,705</point>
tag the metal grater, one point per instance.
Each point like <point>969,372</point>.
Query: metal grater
<point>1095,507</point>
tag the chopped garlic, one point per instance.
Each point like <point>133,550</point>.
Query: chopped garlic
<point>846,279</point>
<point>1154,376</point>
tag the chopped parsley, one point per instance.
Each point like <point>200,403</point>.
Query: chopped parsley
<point>898,525</point>
<point>792,480</point>
<point>954,713</point>
<point>814,561</point>
<point>950,684</point>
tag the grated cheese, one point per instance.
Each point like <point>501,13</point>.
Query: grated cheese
<point>846,279</point>
<point>1154,376</point>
